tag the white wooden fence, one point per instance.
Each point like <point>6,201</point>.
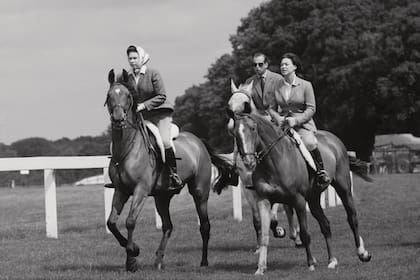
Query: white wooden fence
<point>50,164</point>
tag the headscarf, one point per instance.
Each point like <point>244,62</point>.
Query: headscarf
<point>144,58</point>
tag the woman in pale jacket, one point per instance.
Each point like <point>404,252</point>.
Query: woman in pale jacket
<point>295,105</point>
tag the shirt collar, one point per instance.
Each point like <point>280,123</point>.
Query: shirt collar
<point>294,82</point>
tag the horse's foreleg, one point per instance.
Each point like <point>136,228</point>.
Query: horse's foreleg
<point>293,227</point>
<point>264,208</point>
<point>200,202</point>
<point>118,201</point>
<point>162,206</point>
<point>300,207</point>
<point>132,249</point>
<point>346,197</point>
<point>251,198</point>
<point>324,224</point>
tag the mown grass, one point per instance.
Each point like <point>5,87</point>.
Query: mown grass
<point>389,219</point>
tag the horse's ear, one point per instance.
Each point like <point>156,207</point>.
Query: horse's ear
<point>125,76</point>
<point>233,86</point>
<point>247,108</point>
<point>111,76</point>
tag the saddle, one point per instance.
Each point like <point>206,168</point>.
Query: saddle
<point>154,130</point>
<point>158,148</point>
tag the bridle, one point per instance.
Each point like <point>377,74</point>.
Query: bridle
<point>120,124</point>
<point>260,155</point>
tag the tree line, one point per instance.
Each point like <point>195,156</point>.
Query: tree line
<point>362,57</point>
<point>36,146</point>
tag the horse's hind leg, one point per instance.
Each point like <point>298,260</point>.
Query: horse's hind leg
<point>324,224</point>
<point>162,206</point>
<point>293,228</point>
<point>118,201</point>
<point>342,185</point>
<point>278,231</point>
<point>200,200</point>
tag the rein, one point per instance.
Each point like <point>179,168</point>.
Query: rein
<point>261,154</point>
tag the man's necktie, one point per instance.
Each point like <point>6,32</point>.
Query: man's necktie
<point>262,84</point>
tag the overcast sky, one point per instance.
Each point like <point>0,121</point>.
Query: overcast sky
<point>55,56</point>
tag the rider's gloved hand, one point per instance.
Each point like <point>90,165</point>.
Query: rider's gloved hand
<point>291,121</point>
<point>140,107</point>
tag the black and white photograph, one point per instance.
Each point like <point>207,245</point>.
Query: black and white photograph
<point>235,139</point>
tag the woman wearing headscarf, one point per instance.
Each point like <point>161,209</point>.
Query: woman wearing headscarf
<point>150,95</point>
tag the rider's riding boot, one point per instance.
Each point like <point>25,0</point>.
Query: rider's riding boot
<point>323,180</point>
<point>175,182</point>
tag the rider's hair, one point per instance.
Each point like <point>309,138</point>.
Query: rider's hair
<point>295,60</point>
<point>131,49</point>
<point>266,60</point>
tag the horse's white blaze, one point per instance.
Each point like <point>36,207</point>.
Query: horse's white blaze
<point>241,131</point>
<point>117,90</point>
<point>361,251</point>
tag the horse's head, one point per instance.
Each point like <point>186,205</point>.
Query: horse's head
<point>119,100</point>
<point>245,131</point>
<point>239,102</point>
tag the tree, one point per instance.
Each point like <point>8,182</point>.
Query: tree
<point>362,58</point>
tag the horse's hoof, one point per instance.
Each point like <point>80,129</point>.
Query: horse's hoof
<point>259,272</point>
<point>311,267</point>
<point>131,264</point>
<point>299,244</point>
<point>365,257</point>
<point>279,232</point>
<point>204,263</point>
<point>133,251</point>
<point>332,263</point>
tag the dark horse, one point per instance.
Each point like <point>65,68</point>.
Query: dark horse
<point>135,169</point>
<point>280,174</point>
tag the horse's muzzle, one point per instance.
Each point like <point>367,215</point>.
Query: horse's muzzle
<point>250,162</point>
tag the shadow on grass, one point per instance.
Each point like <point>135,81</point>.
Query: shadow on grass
<point>84,267</point>
<point>229,248</point>
<point>250,268</point>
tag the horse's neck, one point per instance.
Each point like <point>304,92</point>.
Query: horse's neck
<point>282,158</point>
<point>126,141</point>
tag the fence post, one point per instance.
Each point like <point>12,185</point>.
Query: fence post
<point>237,201</point>
<point>108,195</point>
<point>50,203</point>
<point>331,196</point>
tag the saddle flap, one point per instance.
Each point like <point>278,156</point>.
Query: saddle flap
<point>155,131</point>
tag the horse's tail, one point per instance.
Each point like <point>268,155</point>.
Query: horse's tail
<point>225,168</point>
<point>360,168</point>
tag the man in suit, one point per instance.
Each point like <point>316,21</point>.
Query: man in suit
<point>264,84</point>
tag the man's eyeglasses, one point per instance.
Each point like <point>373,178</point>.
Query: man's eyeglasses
<point>259,64</point>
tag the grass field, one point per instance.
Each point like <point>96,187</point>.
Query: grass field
<point>389,218</point>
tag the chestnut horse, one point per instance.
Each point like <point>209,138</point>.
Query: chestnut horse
<point>135,170</point>
<point>280,174</point>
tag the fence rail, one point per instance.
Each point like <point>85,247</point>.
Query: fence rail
<point>50,164</point>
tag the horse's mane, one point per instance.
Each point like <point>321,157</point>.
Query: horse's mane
<point>265,126</point>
